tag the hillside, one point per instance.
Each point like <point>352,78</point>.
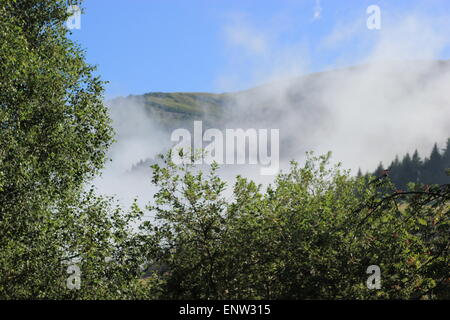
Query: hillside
<point>347,110</point>
<point>174,108</point>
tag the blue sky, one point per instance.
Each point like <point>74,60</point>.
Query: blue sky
<point>144,46</point>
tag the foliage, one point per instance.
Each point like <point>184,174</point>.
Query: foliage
<point>54,135</point>
<point>311,235</point>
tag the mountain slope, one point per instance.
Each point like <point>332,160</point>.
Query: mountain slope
<point>364,114</point>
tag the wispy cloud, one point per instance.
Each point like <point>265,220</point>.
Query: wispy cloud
<point>257,54</point>
<point>251,40</point>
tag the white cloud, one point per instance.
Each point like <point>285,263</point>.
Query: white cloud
<point>256,54</point>
<point>247,38</point>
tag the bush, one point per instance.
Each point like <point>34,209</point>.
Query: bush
<point>311,235</point>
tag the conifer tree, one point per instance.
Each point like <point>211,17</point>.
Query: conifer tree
<point>446,159</point>
<point>433,167</point>
<point>416,166</point>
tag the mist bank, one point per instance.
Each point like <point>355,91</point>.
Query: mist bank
<point>363,114</point>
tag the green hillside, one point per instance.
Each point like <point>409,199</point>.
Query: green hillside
<point>302,94</point>
<point>188,103</point>
<point>173,110</point>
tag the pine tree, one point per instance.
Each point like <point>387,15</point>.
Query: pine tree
<point>417,165</point>
<point>446,155</point>
<point>406,172</point>
<point>379,171</point>
<point>394,169</point>
<point>359,174</point>
<point>433,172</point>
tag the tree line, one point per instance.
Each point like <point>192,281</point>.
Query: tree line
<point>414,169</point>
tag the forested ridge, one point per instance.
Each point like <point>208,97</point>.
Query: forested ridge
<point>415,169</point>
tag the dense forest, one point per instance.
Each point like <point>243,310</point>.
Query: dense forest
<point>312,234</point>
<point>412,169</point>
